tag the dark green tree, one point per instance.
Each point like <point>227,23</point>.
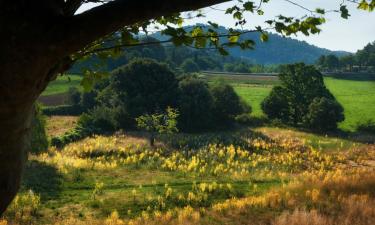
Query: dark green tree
<point>226,104</point>
<point>189,66</point>
<point>74,96</point>
<point>195,105</point>
<point>290,102</point>
<point>144,86</point>
<point>324,114</point>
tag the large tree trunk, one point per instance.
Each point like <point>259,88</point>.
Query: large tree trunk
<point>36,40</point>
<point>14,129</point>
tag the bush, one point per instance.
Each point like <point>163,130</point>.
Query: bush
<point>99,120</point>
<point>302,99</point>
<point>74,96</point>
<point>62,110</point>
<point>275,105</point>
<point>189,66</point>
<point>195,105</point>
<point>324,114</point>
<point>88,100</point>
<point>368,127</point>
<point>227,104</point>
<point>39,139</point>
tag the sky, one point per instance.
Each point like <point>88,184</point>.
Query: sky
<point>337,33</point>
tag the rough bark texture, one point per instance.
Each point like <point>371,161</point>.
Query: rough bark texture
<point>36,40</point>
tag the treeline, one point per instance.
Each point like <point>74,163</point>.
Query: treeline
<point>180,59</point>
<point>362,61</point>
<point>146,87</point>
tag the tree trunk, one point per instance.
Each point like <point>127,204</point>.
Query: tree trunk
<point>14,129</point>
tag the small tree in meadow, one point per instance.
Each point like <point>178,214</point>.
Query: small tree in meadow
<point>161,123</point>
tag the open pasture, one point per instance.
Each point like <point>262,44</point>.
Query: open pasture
<point>357,96</point>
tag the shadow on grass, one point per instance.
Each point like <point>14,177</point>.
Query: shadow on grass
<point>43,179</point>
<point>238,137</point>
<point>353,76</point>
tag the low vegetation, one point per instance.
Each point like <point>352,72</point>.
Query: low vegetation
<point>238,176</point>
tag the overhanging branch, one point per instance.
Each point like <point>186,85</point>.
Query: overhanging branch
<point>110,17</point>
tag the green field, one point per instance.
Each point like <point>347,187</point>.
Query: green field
<point>62,84</point>
<point>356,96</point>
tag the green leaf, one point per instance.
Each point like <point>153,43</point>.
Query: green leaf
<point>233,39</point>
<point>222,51</point>
<point>363,5</point>
<point>264,37</point>
<point>344,12</point>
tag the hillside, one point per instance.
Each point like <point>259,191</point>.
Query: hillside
<point>278,49</point>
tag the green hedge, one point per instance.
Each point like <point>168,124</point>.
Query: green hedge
<point>63,110</point>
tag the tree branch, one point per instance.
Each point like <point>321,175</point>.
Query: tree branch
<point>93,24</point>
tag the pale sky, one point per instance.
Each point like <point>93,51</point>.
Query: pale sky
<point>337,33</point>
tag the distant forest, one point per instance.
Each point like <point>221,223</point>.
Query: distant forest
<point>362,61</point>
<point>264,58</point>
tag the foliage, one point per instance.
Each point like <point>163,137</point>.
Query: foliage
<point>302,98</point>
<point>144,86</point>
<point>276,104</point>
<point>227,104</point>
<point>62,110</point>
<point>362,61</point>
<point>323,114</point>
<point>189,66</point>
<point>195,104</point>
<point>73,96</point>
<point>368,126</point>
<point>161,123</point>
<point>38,140</point>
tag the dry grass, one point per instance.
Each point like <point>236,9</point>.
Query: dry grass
<point>58,125</point>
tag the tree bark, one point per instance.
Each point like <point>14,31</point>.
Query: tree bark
<point>14,141</point>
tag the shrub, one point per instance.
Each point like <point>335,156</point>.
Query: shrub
<point>99,120</point>
<point>189,66</point>
<point>39,139</point>
<point>74,96</point>
<point>324,114</point>
<point>195,104</point>
<point>302,99</point>
<point>368,127</point>
<point>275,105</point>
<point>88,100</point>
<point>227,104</point>
<point>62,110</point>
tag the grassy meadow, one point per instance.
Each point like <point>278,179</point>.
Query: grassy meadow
<point>263,176</point>
<point>62,84</point>
<point>356,96</point>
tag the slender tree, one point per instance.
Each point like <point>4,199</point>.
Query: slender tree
<point>41,39</point>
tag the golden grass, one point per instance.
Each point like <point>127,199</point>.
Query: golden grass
<point>58,125</point>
